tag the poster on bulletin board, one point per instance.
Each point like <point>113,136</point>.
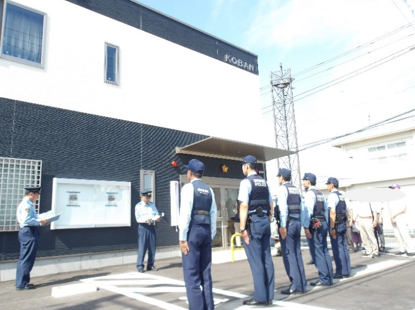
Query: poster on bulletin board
<point>91,203</point>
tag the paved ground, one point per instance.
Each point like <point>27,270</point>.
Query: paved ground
<point>382,283</point>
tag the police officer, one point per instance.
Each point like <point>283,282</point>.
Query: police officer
<point>338,217</point>
<point>28,237</point>
<point>289,207</point>
<point>255,215</point>
<point>316,232</point>
<point>146,215</point>
<point>197,224</point>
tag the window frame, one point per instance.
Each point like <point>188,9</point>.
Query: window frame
<point>16,174</point>
<point>117,64</point>
<point>153,183</point>
<point>14,58</point>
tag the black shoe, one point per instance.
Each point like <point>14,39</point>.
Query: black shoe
<point>289,291</point>
<point>152,268</point>
<point>318,283</point>
<point>29,287</point>
<point>253,302</point>
<point>401,253</point>
<point>270,302</point>
<point>339,276</point>
<point>140,270</point>
<point>310,263</point>
<point>410,254</point>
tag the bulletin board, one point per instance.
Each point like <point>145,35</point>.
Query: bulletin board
<point>91,203</point>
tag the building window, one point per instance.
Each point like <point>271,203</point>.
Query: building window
<point>148,183</point>
<point>390,152</point>
<point>111,64</point>
<point>15,175</point>
<point>23,33</point>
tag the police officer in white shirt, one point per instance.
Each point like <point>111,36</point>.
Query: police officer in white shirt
<point>28,237</point>
<point>146,215</point>
<point>197,228</point>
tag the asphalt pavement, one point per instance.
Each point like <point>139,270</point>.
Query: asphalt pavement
<point>382,283</point>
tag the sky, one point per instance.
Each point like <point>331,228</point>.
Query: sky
<point>363,47</point>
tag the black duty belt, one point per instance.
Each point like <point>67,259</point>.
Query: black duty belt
<point>201,212</point>
<point>259,202</point>
<point>254,212</point>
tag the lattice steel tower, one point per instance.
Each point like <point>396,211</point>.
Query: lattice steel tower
<point>284,122</point>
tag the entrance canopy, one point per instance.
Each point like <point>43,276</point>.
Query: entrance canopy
<point>228,149</point>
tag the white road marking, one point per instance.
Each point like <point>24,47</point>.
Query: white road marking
<point>135,285</point>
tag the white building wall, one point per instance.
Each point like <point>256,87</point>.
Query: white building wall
<point>161,83</point>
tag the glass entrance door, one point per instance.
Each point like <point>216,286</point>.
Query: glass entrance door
<point>226,193</point>
<point>225,197</point>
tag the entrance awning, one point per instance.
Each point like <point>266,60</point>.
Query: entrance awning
<point>228,149</point>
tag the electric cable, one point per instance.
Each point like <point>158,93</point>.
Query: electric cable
<point>353,73</point>
<point>323,141</point>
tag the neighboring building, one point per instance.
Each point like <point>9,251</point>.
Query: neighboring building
<point>380,157</point>
<point>101,97</point>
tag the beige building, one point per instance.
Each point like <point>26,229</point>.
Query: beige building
<point>380,157</point>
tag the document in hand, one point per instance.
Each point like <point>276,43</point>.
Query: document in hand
<point>50,216</point>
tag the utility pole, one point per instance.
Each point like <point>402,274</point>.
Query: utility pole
<point>284,122</point>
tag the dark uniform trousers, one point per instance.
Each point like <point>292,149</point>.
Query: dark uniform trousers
<point>28,238</point>
<point>197,268</point>
<point>146,240</point>
<point>292,257</point>
<point>258,252</point>
<point>311,247</point>
<point>321,254</point>
<point>340,251</point>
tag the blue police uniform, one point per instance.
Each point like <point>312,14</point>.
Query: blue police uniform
<point>254,191</point>
<point>317,209</point>
<point>146,232</point>
<point>197,224</point>
<point>28,237</point>
<point>291,209</point>
<point>336,201</point>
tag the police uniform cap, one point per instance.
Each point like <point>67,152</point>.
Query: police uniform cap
<point>310,177</point>
<point>146,193</point>
<point>34,189</point>
<point>333,181</point>
<point>285,173</point>
<point>195,166</point>
<point>249,159</point>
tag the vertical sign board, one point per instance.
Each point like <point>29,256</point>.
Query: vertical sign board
<point>174,202</point>
<point>91,203</point>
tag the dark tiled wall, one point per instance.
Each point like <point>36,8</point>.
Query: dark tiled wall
<point>82,146</point>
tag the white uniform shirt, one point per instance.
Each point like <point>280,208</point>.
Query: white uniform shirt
<point>26,214</point>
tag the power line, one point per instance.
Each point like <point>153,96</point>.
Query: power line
<point>356,72</point>
<point>353,73</point>
<point>381,123</point>
<point>361,104</point>
<point>401,11</point>
<point>354,49</point>
<point>369,52</point>
<point>347,52</point>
